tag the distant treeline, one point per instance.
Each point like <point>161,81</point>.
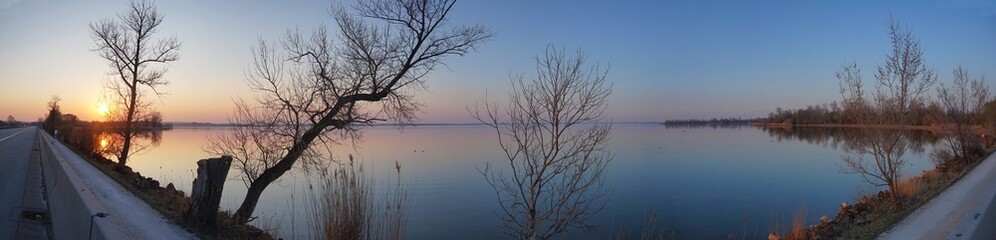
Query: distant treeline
<point>714,121</point>
<point>11,122</point>
<point>832,113</point>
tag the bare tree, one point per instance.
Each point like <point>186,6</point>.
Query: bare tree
<point>136,60</point>
<point>315,91</point>
<point>554,143</point>
<point>901,83</point>
<point>53,118</point>
<point>904,78</point>
<point>961,102</point>
<point>855,105</point>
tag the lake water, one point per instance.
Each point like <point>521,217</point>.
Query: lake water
<point>702,182</point>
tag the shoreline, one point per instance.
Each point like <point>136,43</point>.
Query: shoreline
<point>834,125</point>
<point>936,128</point>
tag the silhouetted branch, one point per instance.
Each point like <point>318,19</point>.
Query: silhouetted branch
<point>315,89</point>
<point>556,166</point>
<point>127,46</point>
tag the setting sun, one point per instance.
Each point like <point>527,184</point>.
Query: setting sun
<point>493,120</point>
<point>102,109</point>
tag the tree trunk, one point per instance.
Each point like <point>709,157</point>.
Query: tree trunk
<point>129,126</point>
<point>205,195</point>
<point>123,158</point>
<point>244,213</point>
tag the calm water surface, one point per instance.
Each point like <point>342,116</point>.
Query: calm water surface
<point>702,182</point>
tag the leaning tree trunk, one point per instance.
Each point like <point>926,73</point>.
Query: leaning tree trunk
<point>244,213</point>
<point>205,195</point>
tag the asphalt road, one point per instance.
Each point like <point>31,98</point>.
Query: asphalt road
<point>15,152</point>
<point>941,215</point>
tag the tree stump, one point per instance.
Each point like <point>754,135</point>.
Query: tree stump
<point>205,196</point>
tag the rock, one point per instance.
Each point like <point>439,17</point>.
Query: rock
<point>152,182</point>
<point>824,219</point>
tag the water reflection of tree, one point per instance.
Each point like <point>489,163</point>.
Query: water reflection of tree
<point>849,138</point>
<point>110,143</point>
<point>874,153</point>
<point>103,139</point>
<point>705,125</point>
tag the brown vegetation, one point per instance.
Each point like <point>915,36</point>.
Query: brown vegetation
<point>343,206</point>
<point>652,230</point>
<point>796,231</point>
<point>873,214</point>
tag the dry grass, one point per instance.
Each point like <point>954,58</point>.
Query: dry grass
<point>652,229</point>
<point>797,231</point>
<point>910,187</point>
<point>343,206</point>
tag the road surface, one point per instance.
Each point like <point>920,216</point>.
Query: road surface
<point>20,184</point>
<point>937,218</point>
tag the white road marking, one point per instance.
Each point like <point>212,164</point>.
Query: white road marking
<point>12,135</point>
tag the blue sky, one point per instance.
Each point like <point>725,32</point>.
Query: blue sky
<point>669,59</point>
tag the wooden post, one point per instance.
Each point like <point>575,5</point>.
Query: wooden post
<point>205,196</point>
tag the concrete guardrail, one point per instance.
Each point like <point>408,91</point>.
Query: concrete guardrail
<point>72,206</point>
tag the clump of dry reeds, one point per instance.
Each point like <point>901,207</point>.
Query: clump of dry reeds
<point>798,230</point>
<point>652,229</point>
<point>343,206</point>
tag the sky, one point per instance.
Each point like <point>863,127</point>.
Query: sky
<point>667,59</point>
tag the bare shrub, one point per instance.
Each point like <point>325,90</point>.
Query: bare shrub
<point>554,145</point>
<point>962,102</point>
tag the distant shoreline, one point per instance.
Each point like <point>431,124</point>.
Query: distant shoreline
<point>932,128</point>
<point>207,124</point>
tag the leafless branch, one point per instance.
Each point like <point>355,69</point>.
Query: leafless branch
<point>326,86</point>
<point>556,164</point>
<point>130,51</point>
